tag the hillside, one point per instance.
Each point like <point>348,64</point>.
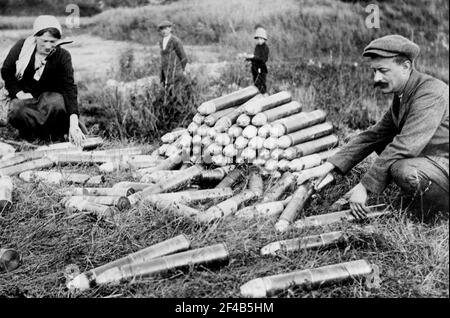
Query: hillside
<point>298,30</point>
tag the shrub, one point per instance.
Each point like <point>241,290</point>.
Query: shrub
<point>144,116</point>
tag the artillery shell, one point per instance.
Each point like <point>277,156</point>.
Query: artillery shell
<point>268,102</point>
<point>296,122</point>
<point>6,188</point>
<point>190,197</point>
<point>211,119</point>
<point>215,254</point>
<point>119,202</point>
<point>44,162</point>
<point>101,211</point>
<point>307,242</point>
<point>131,187</point>
<point>86,280</point>
<point>9,259</point>
<point>227,101</point>
<point>269,285</point>
<point>304,135</point>
<point>276,113</point>
<point>115,191</point>
<point>284,183</point>
<point>336,217</point>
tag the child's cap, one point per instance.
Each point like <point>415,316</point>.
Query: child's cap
<point>260,33</point>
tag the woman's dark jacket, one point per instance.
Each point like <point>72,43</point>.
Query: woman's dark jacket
<point>56,77</point>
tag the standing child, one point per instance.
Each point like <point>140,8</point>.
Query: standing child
<point>259,59</point>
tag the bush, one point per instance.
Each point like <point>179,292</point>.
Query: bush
<point>145,116</point>
<point>131,68</point>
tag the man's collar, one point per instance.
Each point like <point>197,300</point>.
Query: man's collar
<point>410,84</point>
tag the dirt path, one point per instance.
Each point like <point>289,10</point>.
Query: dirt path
<point>94,57</point>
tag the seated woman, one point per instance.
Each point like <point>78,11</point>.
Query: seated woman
<point>38,77</point>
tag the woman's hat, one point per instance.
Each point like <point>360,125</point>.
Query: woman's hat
<point>43,22</point>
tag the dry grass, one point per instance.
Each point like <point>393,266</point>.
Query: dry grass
<point>412,256</point>
<point>324,30</point>
<point>26,22</point>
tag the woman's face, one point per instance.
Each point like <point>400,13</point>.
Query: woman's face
<point>45,43</point>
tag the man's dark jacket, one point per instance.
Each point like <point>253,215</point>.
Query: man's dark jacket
<point>259,59</point>
<point>173,59</point>
<point>416,125</point>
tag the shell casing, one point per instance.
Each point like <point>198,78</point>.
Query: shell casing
<point>308,242</point>
<point>210,255</point>
<point>304,135</point>
<point>172,136</point>
<point>21,157</point>
<point>268,102</point>
<point>91,142</point>
<point>101,211</point>
<point>298,201</point>
<point>6,189</point>
<point>192,196</point>
<point>269,209</point>
<point>131,187</point>
<point>95,180</point>
<point>120,202</point>
<point>44,162</point>
<point>169,184</point>
<point>284,183</point>
<point>335,273</point>
<point>172,245</point>
<point>211,119</point>
<point>228,100</point>
<point>256,183</point>
<point>296,122</point>
<point>125,191</point>
<point>335,217</point>
<point>227,207</point>
<point>10,259</point>
<point>273,114</point>
<point>313,146</point>
<point>224,123</point>
<point>230,179</point>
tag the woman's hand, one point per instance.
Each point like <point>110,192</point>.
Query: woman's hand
<point>76,136</point>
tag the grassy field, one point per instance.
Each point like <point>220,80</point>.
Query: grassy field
<point>315,49</point>
<point>412,256</point>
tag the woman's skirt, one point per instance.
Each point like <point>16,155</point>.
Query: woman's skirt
<point>43,118</point>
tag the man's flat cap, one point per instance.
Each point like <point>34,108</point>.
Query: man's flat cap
<point>392,45</point>
<point>164,24</point>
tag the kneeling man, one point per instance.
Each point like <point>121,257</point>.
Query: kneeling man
<point>411,139</point>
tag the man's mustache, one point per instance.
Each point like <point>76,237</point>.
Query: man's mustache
<point>380,84</point>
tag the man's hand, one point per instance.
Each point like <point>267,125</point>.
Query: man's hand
<point>357,198</point>
<point>75,134</point>
<point>23,95</point>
